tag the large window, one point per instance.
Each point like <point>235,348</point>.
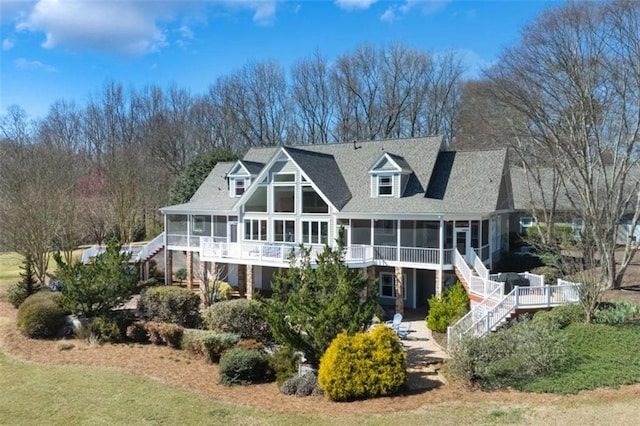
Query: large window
<point>284,199</point>
<point>388,285</point>
<point>315,232</point>
<point>284,231</point>
<point>219,226</point>
<point>255,229</point>
<point>258,201</point>
<point>312,202</point>
<point>385,185</point>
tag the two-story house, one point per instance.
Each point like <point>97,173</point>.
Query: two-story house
<point>408,208</point>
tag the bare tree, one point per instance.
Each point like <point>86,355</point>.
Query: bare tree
<point>575,77</point>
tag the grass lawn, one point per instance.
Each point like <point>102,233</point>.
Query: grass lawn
<point>10,267</point>
<point>599,355</point>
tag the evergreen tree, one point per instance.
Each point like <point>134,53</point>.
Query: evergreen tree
<point>311,304</point>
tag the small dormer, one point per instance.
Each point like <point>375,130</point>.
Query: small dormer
<point>389,176</point>
<point>240,177</point>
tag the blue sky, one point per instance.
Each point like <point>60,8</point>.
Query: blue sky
<point>67,49</point>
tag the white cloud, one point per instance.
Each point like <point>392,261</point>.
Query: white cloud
<point>264,11</point>
<point>33,65</point>
<point>426,7</point>
<point>7,44</point>
<point>119,27</point>
<point>185,31</point>
<point>354,4</point>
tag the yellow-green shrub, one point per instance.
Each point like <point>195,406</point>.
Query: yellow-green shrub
<point>447,309</point>
<point>363,365</point>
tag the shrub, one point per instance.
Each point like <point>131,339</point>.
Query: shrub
<point>284,362</point>
<point>137,332</point>
<point>208,344</point>
<point>244,366</point>
<point>16,294</point>
<point>561,316</point>
<point>170,304</point>
<point>238,316</point>
<point>40,315</point>
<point>172,335</point>
<point>153,332</point>
<point>301,386</point>
<point>105,329</point>
<point>511,357</point>
<point>616,313</point>
<point>447,309</point>
<point>364,365</point>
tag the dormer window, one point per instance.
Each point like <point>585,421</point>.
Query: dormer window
<point>389,176</point>
<point>239,187</point>
<point>385,186</point>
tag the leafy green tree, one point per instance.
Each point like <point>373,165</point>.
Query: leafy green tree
<point>196,172</point>
<point>311,304</point>
<point>98,287</point>
<point>448,308</point>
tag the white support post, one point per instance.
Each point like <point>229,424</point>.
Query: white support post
<point>517,293</point>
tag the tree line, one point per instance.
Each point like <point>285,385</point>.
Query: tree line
<point>565,98</point>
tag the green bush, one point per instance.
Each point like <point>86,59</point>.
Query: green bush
<point>511,357</point>
<point>208,344</point>
<point>616,313</point>
<point>447,309</point>
<point>170,304</point>
<point>561,316</point>
<point>284,362</point>
<point>363,365</point>
<point>16,294</point>
<point>238,316</point>
<point>105,329</point>
<point>40,315</point>
<point>244,366</point>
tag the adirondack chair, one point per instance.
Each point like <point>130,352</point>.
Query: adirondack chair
<point>395,322</point>
<point>403,331</point>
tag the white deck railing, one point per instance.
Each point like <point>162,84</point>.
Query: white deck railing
<point>210,249</point>
<point>151,247</point>
<point>488,315</point>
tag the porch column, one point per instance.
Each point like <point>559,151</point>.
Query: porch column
<point>203,271</point>
<point>168,267</point>
<point>249,282</point>
<point>439,270</point>
<point>399,291</point>
<point>190,270</point>
<point>242,279</point>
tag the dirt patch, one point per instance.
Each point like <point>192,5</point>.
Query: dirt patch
<point>179,369</point>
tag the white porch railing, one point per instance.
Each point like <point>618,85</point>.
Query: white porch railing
<point>151,247</point>
<point>488,315</point>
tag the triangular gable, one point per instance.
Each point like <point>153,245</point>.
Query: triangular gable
<point>239,169</point>
<point>282,155</point>
<point>389,162</point>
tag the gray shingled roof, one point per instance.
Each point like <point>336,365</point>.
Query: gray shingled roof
<point>463,182</point>
<point>211,196</point>
<point>527,193</point>
<point>252,166</point>
<point>323,171</point>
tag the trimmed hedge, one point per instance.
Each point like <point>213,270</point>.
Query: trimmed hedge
<point>240,366</point>
<point>364,365</point>
<point>40,315</point>
<point>238,316</point>
<point>172,304</point>
<point>16,294</point>
<point>301,386</point>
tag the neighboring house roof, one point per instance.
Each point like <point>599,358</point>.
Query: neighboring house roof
<point>528,193</point>
<point>439,182</point>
